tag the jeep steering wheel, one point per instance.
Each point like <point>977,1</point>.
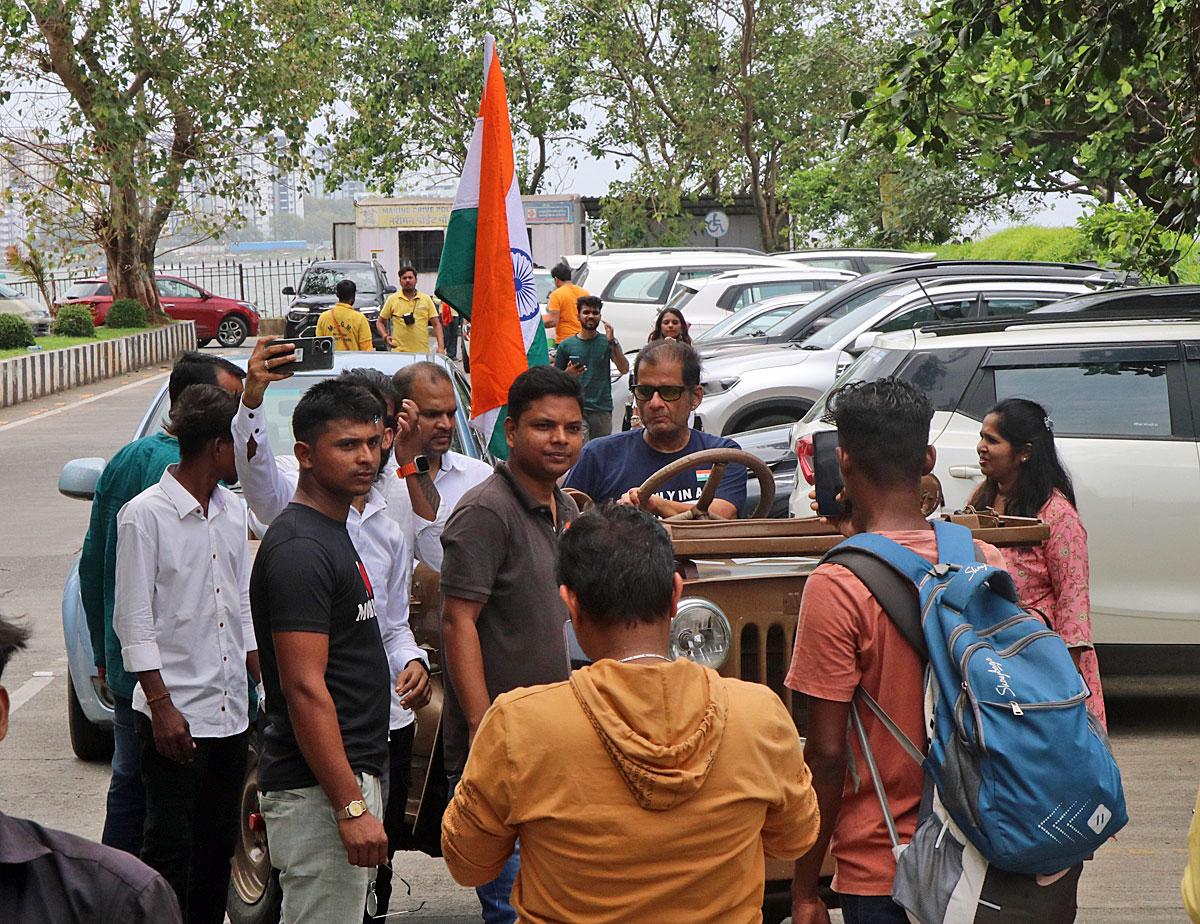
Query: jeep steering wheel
<point>719,458</point>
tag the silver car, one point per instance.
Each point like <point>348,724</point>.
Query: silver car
<point>32,310</point>
<point>753,387</point>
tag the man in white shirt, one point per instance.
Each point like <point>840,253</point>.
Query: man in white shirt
<point>431,478</point>
<point>182,613</point>
<point>269,482</point>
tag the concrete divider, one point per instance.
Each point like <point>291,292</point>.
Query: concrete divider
<point>35,375</point>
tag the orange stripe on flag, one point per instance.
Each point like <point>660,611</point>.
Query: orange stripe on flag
<point>497,347</point>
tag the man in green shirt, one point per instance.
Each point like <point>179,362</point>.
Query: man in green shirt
<point>134,468</point>
<point>586,355</point>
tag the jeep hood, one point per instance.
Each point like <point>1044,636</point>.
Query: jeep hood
<point>661,724</point>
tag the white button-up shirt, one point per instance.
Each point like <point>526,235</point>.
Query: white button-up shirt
<point>456,476</point>
<point>183,602</point>
<point>269,484</point>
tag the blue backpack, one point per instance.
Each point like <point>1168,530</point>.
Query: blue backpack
<point>1019,764</point>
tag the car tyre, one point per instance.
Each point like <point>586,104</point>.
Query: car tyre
<point>203,342</point>
<point>232,331</point>
<point>255,896</point>
<point>89,741</point>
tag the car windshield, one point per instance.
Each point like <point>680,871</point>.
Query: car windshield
<point>279,401</point>
<point>748,322</point>
<point>84,289</point>
<point>829,337</point>
<point>8,291</point>
<point>875,363</point>
<point>323,280</point>
<point>681,296</point>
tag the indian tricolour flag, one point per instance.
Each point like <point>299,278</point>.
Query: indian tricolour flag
<point>486,271</point>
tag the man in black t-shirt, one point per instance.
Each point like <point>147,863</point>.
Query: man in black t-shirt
<point>325,671</point>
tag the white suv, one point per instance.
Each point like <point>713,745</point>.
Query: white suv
<point>1124,396</point>
<point>635,285</point>
<point>757,386</point>
<point>707,302</point>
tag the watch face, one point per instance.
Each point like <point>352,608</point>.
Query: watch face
<point>422,464</point>
<point>356,808</point>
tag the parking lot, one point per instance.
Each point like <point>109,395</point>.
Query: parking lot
<point>1155,725</point>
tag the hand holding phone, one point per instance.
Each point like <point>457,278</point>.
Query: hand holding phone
<point>828,476</point>
<point>310,353</point>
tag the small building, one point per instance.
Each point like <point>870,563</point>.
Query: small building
<point>742,229</point>
<point>411,230</point>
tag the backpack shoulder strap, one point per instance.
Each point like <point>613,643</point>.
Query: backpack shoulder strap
<point>892,588</point>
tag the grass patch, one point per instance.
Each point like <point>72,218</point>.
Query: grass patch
<point>58,343</point>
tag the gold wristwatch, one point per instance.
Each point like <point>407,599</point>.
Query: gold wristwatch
<point>355,809</point>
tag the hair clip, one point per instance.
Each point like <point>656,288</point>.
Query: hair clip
<point>1049,424</point>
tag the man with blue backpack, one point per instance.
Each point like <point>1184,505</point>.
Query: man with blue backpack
<point>964,794</point>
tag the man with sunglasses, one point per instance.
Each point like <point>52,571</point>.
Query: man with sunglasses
<point>667,391</point>
<point>269,482</point>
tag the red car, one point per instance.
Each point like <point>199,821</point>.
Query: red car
<point>225,320</point>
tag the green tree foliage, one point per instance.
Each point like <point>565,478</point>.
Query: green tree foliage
<point>316,225</point>
<point>134,103</point>
<point>1048,96</point>
<point>414,85</point>
<point>15,332</point>
<point>73,321</point>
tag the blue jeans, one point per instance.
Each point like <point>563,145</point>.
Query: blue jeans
<point>495,907</point>
<point>871,909</point>
<point>125,817</point>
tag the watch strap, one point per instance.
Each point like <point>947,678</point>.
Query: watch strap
<point>405,470</point>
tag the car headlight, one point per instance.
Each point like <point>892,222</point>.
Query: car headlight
<point>719,386</point>
<point>248,306</point>
<point>701,633</point>
<point>300,315</point>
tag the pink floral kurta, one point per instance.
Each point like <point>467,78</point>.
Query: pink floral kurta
<point>1053,578</point>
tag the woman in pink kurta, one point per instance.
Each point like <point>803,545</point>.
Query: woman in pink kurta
<point>1023,476</point>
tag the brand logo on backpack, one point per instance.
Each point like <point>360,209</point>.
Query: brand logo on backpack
<point>1100,818</point>
<point>1002,687</point>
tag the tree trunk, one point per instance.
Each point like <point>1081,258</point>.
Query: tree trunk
<point>131,275</point>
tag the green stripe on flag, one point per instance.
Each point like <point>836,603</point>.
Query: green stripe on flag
<point>456,269</point>
<point>538,353</point>
<point>498,445</point>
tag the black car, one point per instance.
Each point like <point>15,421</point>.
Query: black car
<point>316,293</point>
<point>832,305</point>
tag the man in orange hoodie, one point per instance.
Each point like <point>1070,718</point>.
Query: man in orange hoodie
<point>643,788</point>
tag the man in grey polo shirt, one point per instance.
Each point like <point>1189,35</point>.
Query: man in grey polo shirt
<point>502,620</point>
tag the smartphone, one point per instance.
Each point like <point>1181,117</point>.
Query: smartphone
<point>578,361</point>
<point>827,475</point>
<point>312,353</point>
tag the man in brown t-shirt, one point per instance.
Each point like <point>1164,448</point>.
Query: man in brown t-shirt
<point>502,620</point>
<point>844,639</point>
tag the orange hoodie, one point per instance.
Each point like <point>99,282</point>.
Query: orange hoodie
<point>640,792</point>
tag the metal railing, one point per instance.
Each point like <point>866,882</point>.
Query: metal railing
<point>259,282</point>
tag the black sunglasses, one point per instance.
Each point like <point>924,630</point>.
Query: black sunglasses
<point>666,392</point>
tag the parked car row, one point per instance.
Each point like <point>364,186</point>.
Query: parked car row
<point>1119,375</point>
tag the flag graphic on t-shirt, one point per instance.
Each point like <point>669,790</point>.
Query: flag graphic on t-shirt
<point>702,475</point>
<point>366,580</point>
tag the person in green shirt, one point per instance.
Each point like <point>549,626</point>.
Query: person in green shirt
<point>586,355</point>
<point>135,467</point>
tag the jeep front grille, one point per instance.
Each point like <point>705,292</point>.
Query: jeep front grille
<point>768,664</point>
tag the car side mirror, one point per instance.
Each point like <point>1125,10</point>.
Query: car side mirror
<point>862,343</point>
<point>288,290</point>
<point>820,323</point>
<point>205,296</point>
<point>79,477</point>
<point>388,290</point>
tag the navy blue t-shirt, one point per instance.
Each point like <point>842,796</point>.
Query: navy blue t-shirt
<point>610,466</point>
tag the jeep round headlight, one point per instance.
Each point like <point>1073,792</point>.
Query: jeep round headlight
<point>701,633</point>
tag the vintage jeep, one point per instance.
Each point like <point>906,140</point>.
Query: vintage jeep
<point>742,585</point>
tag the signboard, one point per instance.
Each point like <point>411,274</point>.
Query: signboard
<point>716,224</point>
<point>550,213</point>
<point>413,215</point>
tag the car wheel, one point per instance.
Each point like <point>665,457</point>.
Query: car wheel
<point>88,740</point>
<point>769,419</point>
<point>203,342</point>
<point>233,331</point>
<point>255,895</point>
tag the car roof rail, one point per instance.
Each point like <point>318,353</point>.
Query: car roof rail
<point>1019,266</point>
<point>1150,303</point>
<point>615,251</point>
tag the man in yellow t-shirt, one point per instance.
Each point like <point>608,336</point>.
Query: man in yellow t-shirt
<point>562,310</point>
<point>348,327</point>
<point>412,314</point>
